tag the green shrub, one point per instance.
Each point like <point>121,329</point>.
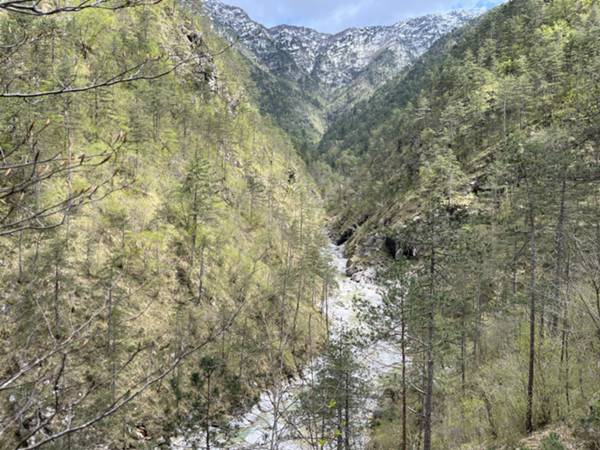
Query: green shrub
<point>590,426</point>
<point>552,442</point>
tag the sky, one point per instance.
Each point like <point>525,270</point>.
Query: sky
<point>332,16</point>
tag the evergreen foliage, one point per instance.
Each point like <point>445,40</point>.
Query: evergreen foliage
<point>154,232</point>
<point>161,229</point>
<point>483,154</point>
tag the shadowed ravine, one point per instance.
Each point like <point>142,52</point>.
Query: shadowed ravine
<point>256,429</point>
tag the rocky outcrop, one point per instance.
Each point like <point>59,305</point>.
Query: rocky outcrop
<point>331,62</point>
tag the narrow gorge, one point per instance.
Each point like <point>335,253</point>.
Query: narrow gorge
<point>220,234</point>
<point>277,417</point>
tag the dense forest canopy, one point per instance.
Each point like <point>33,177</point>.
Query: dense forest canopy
<point>480,165</point>
<point>156,231</point>
<point>164,263</point>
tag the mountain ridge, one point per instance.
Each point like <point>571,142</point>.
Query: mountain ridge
<point>332,61</point>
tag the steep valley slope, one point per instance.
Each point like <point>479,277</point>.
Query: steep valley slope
<point>167,171</point>
<point>156,231</point>
<point>320,75</point>
<point>477,168</point>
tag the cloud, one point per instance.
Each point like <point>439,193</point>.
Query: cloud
<point>336,15</point>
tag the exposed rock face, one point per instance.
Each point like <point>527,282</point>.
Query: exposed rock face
<point>303,45</point>
<point>333,61</point>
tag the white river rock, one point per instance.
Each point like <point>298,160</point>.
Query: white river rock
<point>254,430</point>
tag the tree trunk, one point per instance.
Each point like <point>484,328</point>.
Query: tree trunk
<point>340,424</point>
<point>462,353</point>
<point>403,350</point>
<point>111,336</point>
<point>478,320</point>
<point>564,360</point>
<point>532,318</point>
<point>325,307</point>
<point>208,400</point>
<point>201,276</point>
<point>194,235</point>
<point>429,387</point>
<point>56,305</point>
<point>559,255</point>
<point>347,414</point>
<point>430,339</point>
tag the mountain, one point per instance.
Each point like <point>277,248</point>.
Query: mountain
<point>304,79</point>
<point>170,217</point>
<point>328,64</point>
<point>472,180</point>
<point>166,279</point>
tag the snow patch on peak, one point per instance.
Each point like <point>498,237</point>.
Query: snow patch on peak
<point>333,61</point>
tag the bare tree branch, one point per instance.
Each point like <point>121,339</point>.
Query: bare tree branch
<point>74,337</point>
<point>38,8</point>
<point>135,73</point>
<point>139,387</point>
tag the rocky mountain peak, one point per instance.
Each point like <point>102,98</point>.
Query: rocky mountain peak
<point>332,61</point>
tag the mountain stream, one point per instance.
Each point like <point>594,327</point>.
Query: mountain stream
<point>265,426</point>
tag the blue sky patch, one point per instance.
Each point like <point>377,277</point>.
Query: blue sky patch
<point>336,15</point>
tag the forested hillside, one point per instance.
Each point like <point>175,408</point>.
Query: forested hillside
<point>165,197</point>
<point>305,78</point>
<point>159,239</point>
<point>477,172</point>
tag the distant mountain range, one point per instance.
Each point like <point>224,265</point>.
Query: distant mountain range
<point>328,63</point>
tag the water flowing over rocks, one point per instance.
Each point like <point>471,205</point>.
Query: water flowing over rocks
<point>255,430</point>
